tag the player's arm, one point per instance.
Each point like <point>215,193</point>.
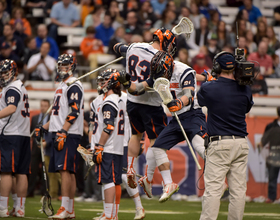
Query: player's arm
<point>121,49</point>
<point>12,99</point>
<point>204,76</point>
<point>188,94</point>
<point>91,126</point>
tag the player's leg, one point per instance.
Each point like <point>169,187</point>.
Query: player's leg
<point>5,188</point>
<point>72,195</point>
<point>21,189</point>
<point>12,212</point>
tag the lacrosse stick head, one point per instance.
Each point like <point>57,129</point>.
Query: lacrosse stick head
<point>167,40</point>
<point>162,65</point>
<point>46,205</point>
<point>86,155</point>
<point>185,26</point>
<point>161,85</point>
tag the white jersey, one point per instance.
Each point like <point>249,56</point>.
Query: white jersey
<point>127,128</point>
<point>61,108</point>
<point>181,71</point>
<point>114,144</point>
<point>138,58</point>
<point>94,108</point>
<point>19,122</point>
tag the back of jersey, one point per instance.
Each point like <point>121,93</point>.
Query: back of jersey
<point>127,128</point>
<point>17,123</point>
<point>95,108</point>
<point>138,58</point>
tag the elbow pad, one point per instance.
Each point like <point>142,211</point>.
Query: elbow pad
<point>74,114</point>
<point>139,89</point>
<point>120,49</point>
<point>109,127</point>
<point>189,94</point>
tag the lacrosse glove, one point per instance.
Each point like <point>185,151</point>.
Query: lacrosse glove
<point>39,132</point>
<point>208,76</point>
<point>97,153</point>
<point>60,138</point>
<point>175,105</point>
<point>124,78</point>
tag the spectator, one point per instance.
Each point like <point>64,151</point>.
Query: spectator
<point>185,12</point>
<point>91,47</point>
<point>265,61</point>
<point>251,45</point>
<point>208,59</point>
<point>4,16</point>
<point>35,3</point>
<point>86,7</point>
<point>48,7</point>
<point>206,8</point>
<point>105,31</point>
<point>7,52</point>
<point>213,48</point>
<point>95,17</point>
<point>18,14</point>
<point>146,16</point>
<point>167,20</point>
<point>241,31</point>
<point>276,66</point>
<point>199,37</point>
<point>15,42</point>
<point>253,11</point>
<point>259,85</point>
<point>271,137</point>
<point>42,33</point>
<point>273,43</point>
<point>195,15</point>
<point>41,66</point>
<point>19,30</point>
<point>276,16</point>
<point>30,49</point>
<point>147,36</point>
<point>115,14</point>
<point>118,37</point>
<point>132,26</point>
<point>243,45</point>
<point>222,34</point>
<point>136,38</point>
<point>214,21</point>
<point>158,7</point>
<point>200,65</point>
<point>261,32</point>
<point>63,14</point>
<point>183,56</point>
<point>243,15</point>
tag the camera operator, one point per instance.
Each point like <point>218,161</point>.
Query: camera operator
<point>227,154</point>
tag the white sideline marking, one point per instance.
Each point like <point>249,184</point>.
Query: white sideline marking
<point>133,211</point>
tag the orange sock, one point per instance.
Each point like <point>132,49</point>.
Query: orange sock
<point>117,198</point>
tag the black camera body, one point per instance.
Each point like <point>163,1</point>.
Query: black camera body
<point>244,70</point>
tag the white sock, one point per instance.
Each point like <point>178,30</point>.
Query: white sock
<point>65,202</point>
<point>71,205</point>
<point>4,202</point>
<point>116,209</point>
<point>21,202</point>
<point>14,197</point>
<point>103,196</point>
<point>130,162</point>
<point>137,202</point>
<point>166,176</point>
<point>151,164</point>
<point>108,209</point>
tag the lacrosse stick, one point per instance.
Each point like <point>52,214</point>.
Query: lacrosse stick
<point>161,85</point>
<point>87,156</point>
<point>138,175</point>
<point>185,26</point>
<point>94,71</point>
<point>41,122</point>
<point>46,199</point>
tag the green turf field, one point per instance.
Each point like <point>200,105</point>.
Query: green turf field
<point>170,210</point>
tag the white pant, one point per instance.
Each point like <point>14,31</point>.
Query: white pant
<point>225,158</point>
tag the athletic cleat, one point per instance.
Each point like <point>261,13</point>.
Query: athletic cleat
<point>71,215</point>
<point>131,178</point>
<point>105,218</point>
<point>4,213</point>
<point>140,213</point>
<point>20,212</point>
<point>99,217</point>
<point>147,186</point>
<point>168,191</point>
<point>12,212</point>
<point>61,214</point>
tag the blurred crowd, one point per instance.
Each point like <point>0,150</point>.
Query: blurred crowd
<point>35,45</point>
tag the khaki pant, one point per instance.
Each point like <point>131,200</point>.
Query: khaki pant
<point>54,180</point>
<point>93,64</point>
<point>225,159</point>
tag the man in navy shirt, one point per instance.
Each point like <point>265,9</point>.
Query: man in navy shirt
<point>227,154</point>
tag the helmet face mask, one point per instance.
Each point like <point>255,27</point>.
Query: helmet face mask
<point>167,40</point>
<point>162,65</point>
<point>106,81</point>
<point>66,65</point>
<point>8,71</point>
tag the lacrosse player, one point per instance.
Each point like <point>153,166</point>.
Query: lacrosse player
<point>109,131</point>
<point>14,138</point>
<point>66,125</point>
<point>227,154</point>
<point>144,108</point>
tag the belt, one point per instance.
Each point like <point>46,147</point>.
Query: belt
<point>217,138</point>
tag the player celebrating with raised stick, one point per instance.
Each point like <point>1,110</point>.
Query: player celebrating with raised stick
<point>144,109</point>
<point>66,125</point>
<point>14,138</point>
